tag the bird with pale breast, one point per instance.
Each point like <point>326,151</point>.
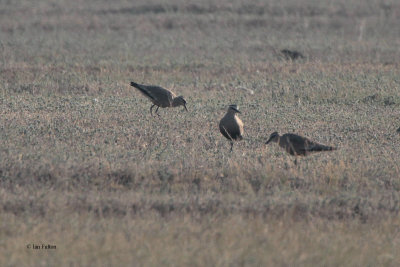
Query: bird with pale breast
<point>297,145</point>
<point>160,97</point>
<point>231,126</point>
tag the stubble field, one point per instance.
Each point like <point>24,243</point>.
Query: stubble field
<point>85,167</point>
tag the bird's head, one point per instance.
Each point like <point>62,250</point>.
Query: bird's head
<point>234,109</point>
<point>180,101</point>
<point>274,137</point>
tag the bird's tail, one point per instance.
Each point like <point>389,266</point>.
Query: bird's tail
<point>319,147</point>
<point>135,85</point>
<point>142,89</point>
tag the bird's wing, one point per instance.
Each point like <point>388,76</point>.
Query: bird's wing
<point>293,143</point>
<point>230,128</point>
<point>295,139</point>
<point>306,145</point>
<point>159,93</point>
<point>314,147</point>
<point>143,90</point>
<point>155,93</point>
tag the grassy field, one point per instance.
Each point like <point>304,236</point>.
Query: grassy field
<point>85,168</point>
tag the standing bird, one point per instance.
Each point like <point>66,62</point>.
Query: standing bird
<point>160,97</point>
<point>291,55</point>
<point>297,145</point>
<point>231,126</point>
<point>398,130</point>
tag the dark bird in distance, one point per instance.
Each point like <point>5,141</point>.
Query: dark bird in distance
<point>160,97</point>
<point>291,55</point>
<point>297,145</point>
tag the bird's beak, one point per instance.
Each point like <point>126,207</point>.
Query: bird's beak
<point>269,140</point>
<point>185,107</point>
<point>237,110</point>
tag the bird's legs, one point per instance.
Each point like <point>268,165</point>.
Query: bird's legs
<point>231,146</point>
<point>151,110</point>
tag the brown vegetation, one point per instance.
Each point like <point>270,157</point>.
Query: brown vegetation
<point>85,167</point>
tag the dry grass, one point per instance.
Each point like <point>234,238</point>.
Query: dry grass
<point>86,168</point>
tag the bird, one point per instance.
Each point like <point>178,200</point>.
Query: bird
<point>398,130</point>
<point>231,126</point>
<point>297,145</point>
<point>291,55</point>
<point>160,97</point>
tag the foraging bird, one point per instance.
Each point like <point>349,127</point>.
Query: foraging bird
<point>297,145</point>
<point>231,126</point>
<point>291,55</point>
<point>160,97</point>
